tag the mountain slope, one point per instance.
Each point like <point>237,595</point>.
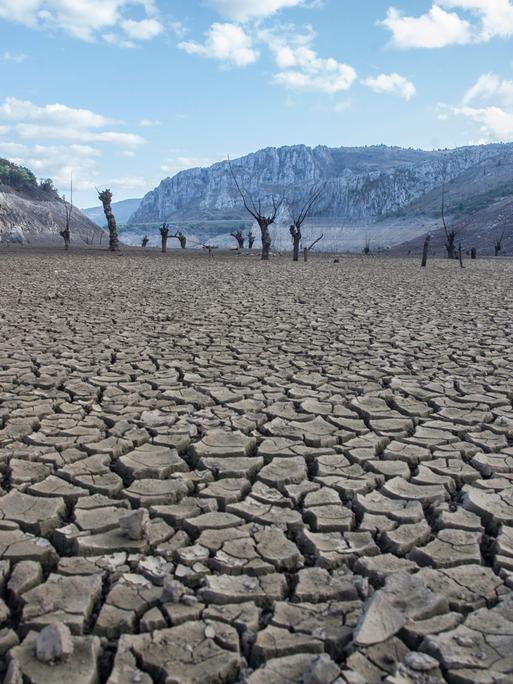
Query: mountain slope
<point>122,211</point>
<point>34,212</point>
<point>361,185</point>
<point>479,230</point>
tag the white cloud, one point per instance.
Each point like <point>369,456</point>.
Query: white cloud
<point>177,164</point>
<point>302,69</point>
<point>472,21</point>
<point>86,19</point>
<point>179,29</point>
<point>54,114</point>
<point>60,122</point>
<point>149,123</point>
<point>394,84</point>
<point>85,132</point>
<point>496,124</point>
<point>60,162</point>
<point>435,29</point>
<point>489,104</point>
<point>227,43</point>
<point>135,182</point>
<point>57,161</point>
<point>146,29</point>
<point>119,41</point>
<point>495,16</point>
<point>331,78</point>
<point>10,148</point>
<point>38,132</point>
<point>243,10</point>
<point>490,88</point>
<point>17,58</point>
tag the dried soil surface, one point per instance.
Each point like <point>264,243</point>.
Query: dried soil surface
<point>222,470</point>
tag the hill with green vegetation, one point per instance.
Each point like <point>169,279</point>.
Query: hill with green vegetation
<point>32,211</point>
<point>15,178</point>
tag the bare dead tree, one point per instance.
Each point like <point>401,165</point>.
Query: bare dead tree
<point>251,239</point>
<point>450,235</point>
<point>239,236</point>
<point>211,249</point>
<point>182,239</point>
<point>105,198</point>
<point>68,208</point>
<point>164,234</point>
<point>307,250</point>
<point>144,241</point>
<point>88,240</point>
<point>300,217</point>
<point>498,242</point>
<point>255,209</point>
<point>425,250</point>
<point>473,253</point>
<point>460,255</point>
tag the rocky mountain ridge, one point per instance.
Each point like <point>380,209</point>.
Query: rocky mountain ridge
<point>364,184</point>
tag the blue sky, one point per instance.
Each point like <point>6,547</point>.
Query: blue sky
<point>122,93</point>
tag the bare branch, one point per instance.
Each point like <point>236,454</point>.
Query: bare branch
<point>444,178</point>
<point>305,210</point>
<point>263,220</point>
<point>276,208</point>
<point>252,212</point>
<point>315,242</point>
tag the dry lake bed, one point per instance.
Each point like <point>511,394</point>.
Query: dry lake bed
<point>222,470</point>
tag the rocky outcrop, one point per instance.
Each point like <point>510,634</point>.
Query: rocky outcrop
<point>366,183</point>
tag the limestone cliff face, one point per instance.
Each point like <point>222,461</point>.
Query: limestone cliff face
<point>360,183</point>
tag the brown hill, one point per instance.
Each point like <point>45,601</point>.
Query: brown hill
<point>479,230</point>
<point>33,212</point>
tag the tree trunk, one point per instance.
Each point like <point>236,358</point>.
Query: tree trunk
<point>106,200</point>
<point>295,253</point>
<point>65,235</point>
<point>266,242</point>
<point>450,252</point>
<point>164,244</point>
<point>460,255</point>
<point>473,253</point>
<point>497,250</point>
<point>305,254</point>
<point>425,252</point>
<point>113,231</point>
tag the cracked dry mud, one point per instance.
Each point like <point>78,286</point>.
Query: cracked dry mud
<point>218,471</point>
